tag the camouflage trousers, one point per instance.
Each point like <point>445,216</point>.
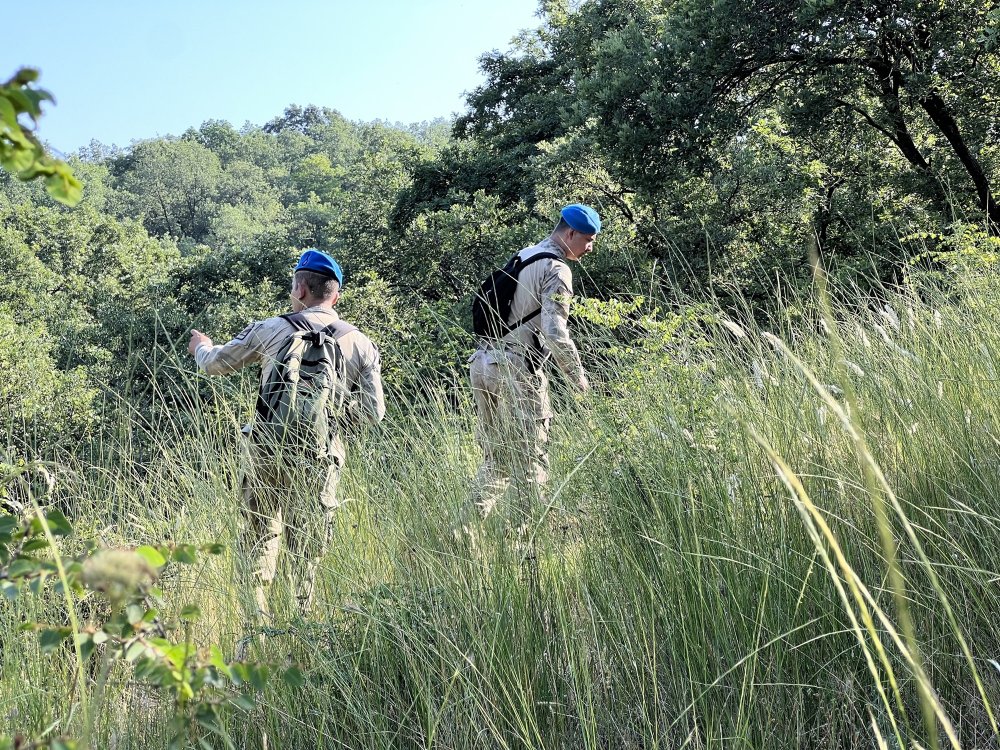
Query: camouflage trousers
<point>292,498</point>
<point>514,413</point>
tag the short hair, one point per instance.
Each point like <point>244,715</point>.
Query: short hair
<point>562,225</point>
<point>319,286</point>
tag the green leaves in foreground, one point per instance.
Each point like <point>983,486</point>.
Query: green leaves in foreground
<point>201,685</point>
<point>20,151</point>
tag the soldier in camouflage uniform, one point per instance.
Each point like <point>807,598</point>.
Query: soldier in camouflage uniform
<point>509,381</point>
<point>285,491</point>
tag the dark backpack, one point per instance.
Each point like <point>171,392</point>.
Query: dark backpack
<point>491,303</point>
<point>298,405</point>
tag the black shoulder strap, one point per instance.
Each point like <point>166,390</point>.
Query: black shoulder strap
<point>541,256</point>
<point>335,330</point>
<point>298,321</point>
<point>525,263</point>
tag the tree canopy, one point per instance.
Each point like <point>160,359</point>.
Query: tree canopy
<point>725,145</point>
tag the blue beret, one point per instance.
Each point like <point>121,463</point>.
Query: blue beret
<point>321,263</point>
<point>581,218</point>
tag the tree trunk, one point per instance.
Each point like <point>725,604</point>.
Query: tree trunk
<point>890,81</point>
<point>935,107</point>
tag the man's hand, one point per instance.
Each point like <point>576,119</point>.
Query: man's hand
<point>197,339</point>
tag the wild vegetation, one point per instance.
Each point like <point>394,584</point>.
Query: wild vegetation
<point>773,522</point>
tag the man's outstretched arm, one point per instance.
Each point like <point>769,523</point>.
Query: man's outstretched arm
<point>222,360</point>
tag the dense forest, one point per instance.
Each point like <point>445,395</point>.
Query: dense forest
<point>731,554</point>
<point>724,144</point>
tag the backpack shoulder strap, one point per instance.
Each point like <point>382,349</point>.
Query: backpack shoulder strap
<point>339,329</point>
<point>524,263</point>
<point>298,321</point>
<point>336,330</point>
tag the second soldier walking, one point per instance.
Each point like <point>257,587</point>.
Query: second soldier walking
<point>509,381</point>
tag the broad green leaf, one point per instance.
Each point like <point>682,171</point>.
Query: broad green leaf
<point>240,672</point>
<point>258,674</point>
<point>35,545</point>
<point>59,525</point>
<point>24,76</point>
<point>175,653</point>
<point>19,160</point>
<point>7,113</point>
<point>293,677</point>
<point>219,662</point>
<point>86,649</point>
<point>23,566</point>
<point>36,585</point>
<point>246,702</point>
<point>50,638</point>
<point>8,523</point>
<point>19,98</point>
<point>134,613</point>
<point>190,613</point>
<point>207,715</point>
<point>64,187</point>
<point>185,553</point>
<point>152,556</point>
<point>134,651</point>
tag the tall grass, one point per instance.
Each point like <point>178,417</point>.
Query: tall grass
<point>751,541</point>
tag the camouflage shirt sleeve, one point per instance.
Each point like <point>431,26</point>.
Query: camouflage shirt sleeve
<point>557,290</point>
<point>243,350</point>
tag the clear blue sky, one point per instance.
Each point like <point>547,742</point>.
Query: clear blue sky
<point>122,71</point>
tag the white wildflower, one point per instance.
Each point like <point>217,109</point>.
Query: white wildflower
<point>732,484</point>
<point>774,341</point>
<point>890,315</point>
<point>735,329</point>
<point>853,367</point>
<point>761,377</point>
<point>118,573</point>
<point>893,345</point>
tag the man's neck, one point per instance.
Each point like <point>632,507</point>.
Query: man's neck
<point>559,242</point>
<point>315,305</point>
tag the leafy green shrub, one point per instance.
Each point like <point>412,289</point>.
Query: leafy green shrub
<point>202,687</point>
